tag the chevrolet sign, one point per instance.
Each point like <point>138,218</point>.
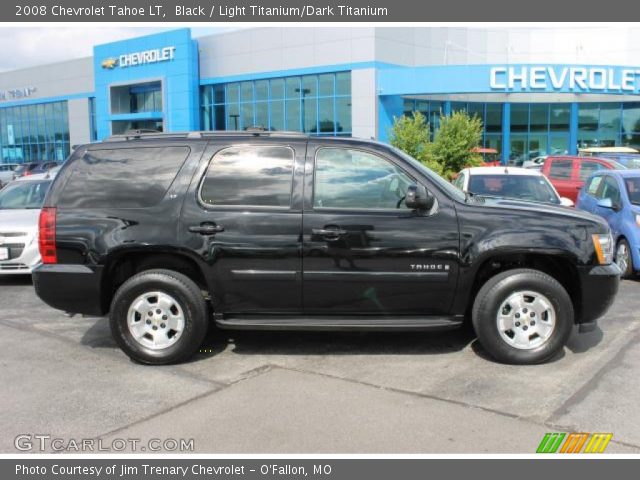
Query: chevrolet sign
<point>560,78</point>
<point>140,58</point>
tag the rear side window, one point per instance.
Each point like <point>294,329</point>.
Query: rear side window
<point>123,177</point>
<point>560,169</point>
<point>259,176</point>
<point>587,168</point>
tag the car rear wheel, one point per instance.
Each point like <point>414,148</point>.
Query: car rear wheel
<point>522,316</point>
<point>623,258</point>
<point>159,317</point>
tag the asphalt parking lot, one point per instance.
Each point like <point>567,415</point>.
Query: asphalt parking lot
<point>256,392</point>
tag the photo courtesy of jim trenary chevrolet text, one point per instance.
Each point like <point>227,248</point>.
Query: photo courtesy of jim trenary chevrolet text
<point>324,239</point>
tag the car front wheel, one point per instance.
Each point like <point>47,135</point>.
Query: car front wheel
<point>159,317</point>
<point>522,316</point>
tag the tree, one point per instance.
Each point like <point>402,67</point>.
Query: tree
<point>453,143</point>
<point>411,135</point>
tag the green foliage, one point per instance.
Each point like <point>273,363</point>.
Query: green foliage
<point>458,135</point>
<point>411,135</point>
<point>450,151</point>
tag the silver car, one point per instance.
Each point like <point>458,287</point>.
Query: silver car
<point>20,204</point>
<point>6,173</point>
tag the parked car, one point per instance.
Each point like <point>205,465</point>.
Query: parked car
<point>20,203</point>
<point>628,160</point>
<point>262,230</point>
<point>535,163</point>
<point>33,168</point>
<point>509,182</point>
<point>568,173</point>
<point>615,196</point>
<point>600,151</point>
<point>6,173</point>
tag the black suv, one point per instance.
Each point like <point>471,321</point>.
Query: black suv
<point>262,230</point>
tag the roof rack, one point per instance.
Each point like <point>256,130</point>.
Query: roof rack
<point>196,135</point>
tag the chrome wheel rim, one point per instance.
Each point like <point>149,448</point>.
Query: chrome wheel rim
<point>155,320</point>
<point>526,320</point>
<point>622,257</point>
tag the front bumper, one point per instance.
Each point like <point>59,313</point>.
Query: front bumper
<point>71,288</point>
<point>599,286</point>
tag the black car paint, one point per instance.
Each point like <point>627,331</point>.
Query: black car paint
<point>269,261</point>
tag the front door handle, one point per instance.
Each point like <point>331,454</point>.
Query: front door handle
<point>329,232</point>
<point>206,229</point>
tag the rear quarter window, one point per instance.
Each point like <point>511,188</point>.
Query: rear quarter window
<point>123,177</point>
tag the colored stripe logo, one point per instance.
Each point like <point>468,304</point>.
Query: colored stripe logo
<point>558,442</point>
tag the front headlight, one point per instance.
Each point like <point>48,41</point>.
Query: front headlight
<point>637,220</point>
<point>603,244</point>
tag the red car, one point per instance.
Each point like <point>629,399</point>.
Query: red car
<point>568,173</point>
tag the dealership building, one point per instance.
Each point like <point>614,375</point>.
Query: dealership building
<point>537,90</point>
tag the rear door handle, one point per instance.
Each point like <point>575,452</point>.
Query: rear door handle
<point>206,229</point>
<point>329,232</point>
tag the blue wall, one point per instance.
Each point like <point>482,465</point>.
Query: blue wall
<point>179,76</point>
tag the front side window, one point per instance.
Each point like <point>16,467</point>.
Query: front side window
<point>259,176</point>
<point>354,179</point>
<point>610,190</point>
<point>592,187</point>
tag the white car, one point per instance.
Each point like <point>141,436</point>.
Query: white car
<point>20,204</point>
<point>509,182</point>
<point>535,163</point>
<point>6,173</point>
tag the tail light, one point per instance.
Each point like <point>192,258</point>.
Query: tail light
<point>47,235</point>
<point>27,173</point>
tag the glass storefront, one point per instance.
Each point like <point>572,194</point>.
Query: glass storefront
<point>314,104</point>
<point>537,129</point>
<point>30,133</point>
<point>608,124</point>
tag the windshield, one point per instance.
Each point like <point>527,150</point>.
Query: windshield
<point>533,188</point>
<point>446,186</point>
<point>23,195</point>
<point>633,189</point>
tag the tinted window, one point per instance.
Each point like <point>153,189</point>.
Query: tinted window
<point>560,169</point>
<point>523,187</point>
<point>23,195</point>
<point>587,168</point>
<point>122,178</point>
<point>249,176</point>
<point>347,178</point>
<point>633,189</point>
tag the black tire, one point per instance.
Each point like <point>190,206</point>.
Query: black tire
<point>627,272</point>
<point>497,290</point>
<point>189,297</point>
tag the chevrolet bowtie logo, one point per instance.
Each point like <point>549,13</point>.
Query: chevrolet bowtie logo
<point>110,63</point>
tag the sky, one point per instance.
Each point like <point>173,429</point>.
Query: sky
<point>29,46</point>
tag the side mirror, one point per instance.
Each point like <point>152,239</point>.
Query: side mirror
<point>566,202</point>
<point>418,198</point>
<point>605,203</point>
